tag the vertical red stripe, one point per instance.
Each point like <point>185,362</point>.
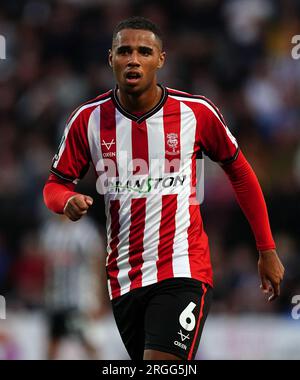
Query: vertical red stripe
<point>108,136</point>
<point>166,237</point>
<point>140,148</point>
<point>198,323</point>
<point>172,135</point>
<point>136,237</point>
<point>112,265</point>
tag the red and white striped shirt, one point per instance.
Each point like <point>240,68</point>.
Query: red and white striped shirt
<point>146,166</point>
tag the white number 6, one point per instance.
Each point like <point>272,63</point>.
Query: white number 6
<point>187,318</point>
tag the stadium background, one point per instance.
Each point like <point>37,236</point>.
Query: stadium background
<point>237,53</point>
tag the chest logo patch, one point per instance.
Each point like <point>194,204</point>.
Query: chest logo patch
<point>172,142</point>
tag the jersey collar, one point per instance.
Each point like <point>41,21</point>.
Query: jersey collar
<point>139,119</point>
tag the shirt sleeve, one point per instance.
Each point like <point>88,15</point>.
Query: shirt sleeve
<point>71,162</point>
<point>57,192</point>
<point>251,200</point>
<point>213,135</point>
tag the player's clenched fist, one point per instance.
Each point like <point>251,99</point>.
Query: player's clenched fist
<point>77,206</point>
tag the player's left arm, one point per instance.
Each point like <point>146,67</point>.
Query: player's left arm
<point>216,141</point>
<point>251,200</point>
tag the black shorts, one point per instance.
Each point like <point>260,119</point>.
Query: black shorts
<point>65,323</point>
<point>167,316</point>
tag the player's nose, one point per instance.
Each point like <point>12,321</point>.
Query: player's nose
<point>133,59</point>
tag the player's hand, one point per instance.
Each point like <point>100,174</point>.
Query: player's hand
<point>77,206</point>
<point>271,273</point>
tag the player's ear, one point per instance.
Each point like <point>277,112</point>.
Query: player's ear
<point>161,61</point>
<point>110,57</point>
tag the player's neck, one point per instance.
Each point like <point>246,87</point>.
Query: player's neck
<point>140,103</point>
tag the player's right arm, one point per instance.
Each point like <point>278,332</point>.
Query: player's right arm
<point>69,165</point>
<point>60,197</point>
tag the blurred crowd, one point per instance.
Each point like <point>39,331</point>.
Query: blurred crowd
<point>235,52</point>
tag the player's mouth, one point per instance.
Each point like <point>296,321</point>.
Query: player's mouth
<point>133,77</point>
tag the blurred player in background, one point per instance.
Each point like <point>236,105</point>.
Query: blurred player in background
<point>143,140</point>
<point>73,284</point>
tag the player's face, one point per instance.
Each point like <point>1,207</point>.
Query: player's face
<point>135,58</point>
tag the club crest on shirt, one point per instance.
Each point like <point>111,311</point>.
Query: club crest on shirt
<point>172,142</point>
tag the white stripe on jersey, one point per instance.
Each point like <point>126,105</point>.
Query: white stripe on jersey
<point>93,133</point>
<point>123,246</point>
<point>211,108</point>
<point>156,144</point>
<point>156,149</point>
<point>124,145</point>
<point>150,242</point>
<point>180,260</point>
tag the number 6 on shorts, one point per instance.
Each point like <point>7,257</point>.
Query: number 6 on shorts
<point>187,319</point>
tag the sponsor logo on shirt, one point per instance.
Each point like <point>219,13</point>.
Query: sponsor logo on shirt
<point>106,145</point>
<point>146,185</point>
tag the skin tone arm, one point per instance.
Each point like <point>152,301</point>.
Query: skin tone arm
<point>271,273</point>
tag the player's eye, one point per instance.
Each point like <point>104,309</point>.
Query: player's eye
<point>145,51</point>
<point>123,50</point>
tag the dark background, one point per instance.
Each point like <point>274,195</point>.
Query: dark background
<point>237,53</point>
